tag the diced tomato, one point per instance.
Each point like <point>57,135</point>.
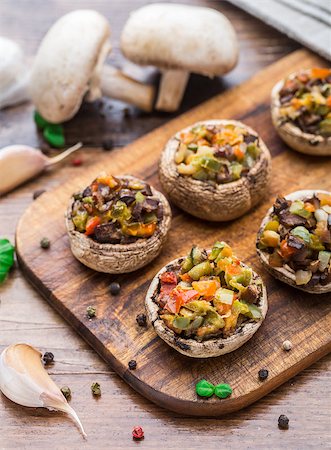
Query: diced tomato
<point>206,288</point>
<point>108,180</point>
<point>320,72</point>
<point>328,101</point>
<point>239,154</point>
<point>296,103</point>
<point>180,298</point>
<point>285,250</point>
<point>185,277</point>
<point>233,269</point>
<point>91,224</point>
<point>169,277</point>
<point>140,230</point>
<point>94,186</point>
<point>309,207</point>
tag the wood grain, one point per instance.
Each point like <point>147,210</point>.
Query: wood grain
<point>25,316</point>
<point>163,375</point>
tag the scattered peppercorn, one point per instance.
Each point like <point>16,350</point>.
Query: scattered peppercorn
<point>45,243</point>
<point>263,374</point>
<point>223,390</point>
<point>77,162</point>
<point>48,357</point>
<point>283,422</point>
<point>132,364</point>
<point>38,193</point>
<point>141,320</point>
<point>114,288</point>
<point>204,389</point>
<point>108,144</point>
<point>91,312</point>
<point>96,390</point>
<point>287,346</point>
<point>138,433</point>
<point>66,392</point>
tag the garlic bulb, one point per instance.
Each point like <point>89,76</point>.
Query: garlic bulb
<point>19,163</point>
<point>24,380</point>
<point>14,74</point>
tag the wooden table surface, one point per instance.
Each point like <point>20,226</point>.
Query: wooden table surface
<point>26,317</point>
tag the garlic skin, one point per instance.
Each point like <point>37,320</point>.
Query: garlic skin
<point>24,381</point>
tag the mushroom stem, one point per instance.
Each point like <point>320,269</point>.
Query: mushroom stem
<point>115,84</point>
<point>171,91</point>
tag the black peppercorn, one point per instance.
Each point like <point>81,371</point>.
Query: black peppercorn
<point>38,193</point>
<point>48,357</point>
<point>107,144</point>
<point>132,364</point>
<point>263,374</point>
<point>283,422</point>
<point>141,320</point>
<point>115,288</point>
<point>45,243</point>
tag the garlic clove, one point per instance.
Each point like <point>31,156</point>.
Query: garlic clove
<point>24,380</point>
<point>19,163</point>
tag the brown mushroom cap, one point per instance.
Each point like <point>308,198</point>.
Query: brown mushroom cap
<point>210,347</point>
<point>207,199</point>
<point>68,64</point>
<point>286,274</point>
<point>307,143</point>
<point>119,258</point>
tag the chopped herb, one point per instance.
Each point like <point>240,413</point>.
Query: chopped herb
<point>204,389</point>
<point>66,392</point>
<point>91,312</point>
<point>96,390</point>
<point>48,357</point>
<point>6,258</point>
<point>223,390</point>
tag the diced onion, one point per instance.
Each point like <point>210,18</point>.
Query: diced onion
<point>302,277</point>
<point>321,215</point>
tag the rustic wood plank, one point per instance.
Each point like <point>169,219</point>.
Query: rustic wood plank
<point>163,375</point>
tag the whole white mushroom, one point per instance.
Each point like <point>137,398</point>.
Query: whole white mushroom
<point>69,67</point>
<point>179,39</point>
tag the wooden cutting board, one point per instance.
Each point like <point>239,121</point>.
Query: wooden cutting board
<point>163,375</point>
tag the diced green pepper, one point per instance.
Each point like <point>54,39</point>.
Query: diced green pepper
<point>200,270</point>
<point>140,198</point>
<point>187,264</point>
<point>325,127</point>
<point>224,296</point>
<point>298,209</point>
<point>302,233</point>
<point>236,169</point>
<point>80,221</point>
<point>254,312</point>
<point>181,323</point>
<point>315,243</point>
<point>197,255</point>
<point>150,217</point>
<point>272,225</point>
<point>120,211</point>
<point>210,163</point>
<point>218,246</point>
<point>253,150</point>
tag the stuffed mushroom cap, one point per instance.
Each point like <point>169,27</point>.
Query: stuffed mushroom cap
<point>119,258</point>
<point>292,135</point>
<point>286,274</point>
<point>207,199</point>
<point>208,348</point>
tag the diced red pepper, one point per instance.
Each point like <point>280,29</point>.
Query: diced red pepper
<point>182,297</point>
<point>169,277</point>
<point>92,223</point>
<point>285,250</point>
